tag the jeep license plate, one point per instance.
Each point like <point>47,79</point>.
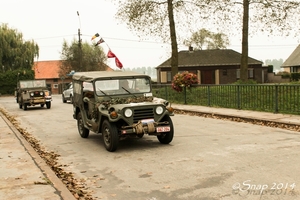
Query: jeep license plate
<point>163,129</point>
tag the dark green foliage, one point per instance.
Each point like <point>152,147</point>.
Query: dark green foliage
<point>285,75</point>
<point>16,57</point>
<point>9,79</point>
<point>270,68</point>
<point>247,82</point>
<point>295,76</point>
<point>15,52</point>
<point>87,58</point>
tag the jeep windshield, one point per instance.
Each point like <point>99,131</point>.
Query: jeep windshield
<point>33,84</point>
<point>127,86</point>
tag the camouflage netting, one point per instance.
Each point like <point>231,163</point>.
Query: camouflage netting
<point>108,103</point>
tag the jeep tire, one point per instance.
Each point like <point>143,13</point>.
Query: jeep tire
<point>48,105</point>
<point>110,135</point>
<point>167,137</point>
<point>83,132</point>
<point>25,106</point>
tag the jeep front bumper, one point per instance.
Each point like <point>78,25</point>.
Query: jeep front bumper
<point>146,127</point>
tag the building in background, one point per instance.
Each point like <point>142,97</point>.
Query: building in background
<point>49,70</point>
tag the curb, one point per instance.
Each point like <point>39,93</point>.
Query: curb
<point>61,189</point>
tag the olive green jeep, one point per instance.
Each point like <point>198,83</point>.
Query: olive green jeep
<point>32,93</point>
<point>119,104</point>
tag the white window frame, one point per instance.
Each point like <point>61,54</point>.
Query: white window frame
<point>169,77</point>
<point>250,73</point>
<point>238,73</point>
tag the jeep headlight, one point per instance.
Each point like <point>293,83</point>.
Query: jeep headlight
<point>32,94</point>
<point>159,110</point>
<point>128,112</point>
<point>41,93</point>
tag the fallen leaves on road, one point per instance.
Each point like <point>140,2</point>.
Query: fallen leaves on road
<point>76,187</point>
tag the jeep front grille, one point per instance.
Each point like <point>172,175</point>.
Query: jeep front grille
<point>139,114</point>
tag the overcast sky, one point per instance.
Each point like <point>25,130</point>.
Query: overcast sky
<point>48,23</point>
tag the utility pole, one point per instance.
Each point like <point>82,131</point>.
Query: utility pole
<point>79,43</point>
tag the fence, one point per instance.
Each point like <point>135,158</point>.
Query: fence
<point>268,98</point>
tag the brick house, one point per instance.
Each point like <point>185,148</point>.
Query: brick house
<point>218,66</point>
<point>49,70</point>
<point>292,63</point>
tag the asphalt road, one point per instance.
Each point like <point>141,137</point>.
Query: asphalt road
<point>208,159</point>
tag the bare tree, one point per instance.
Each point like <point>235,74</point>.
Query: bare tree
<point>156,18</point>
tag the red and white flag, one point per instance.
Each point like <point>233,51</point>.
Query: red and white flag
<point>110,54</point>
<point>118,63</point>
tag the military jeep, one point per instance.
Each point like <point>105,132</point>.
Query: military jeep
<point>119,105</point>
<point>32,93</point>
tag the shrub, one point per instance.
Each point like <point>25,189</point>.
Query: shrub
<point>248,82</point>
<point>295,76</point>
<point>184,79</point>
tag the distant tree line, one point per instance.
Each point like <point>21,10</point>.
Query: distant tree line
<point>275,63</point>
<point>150,71</point>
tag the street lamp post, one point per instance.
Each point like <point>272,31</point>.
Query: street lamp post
<point>79,43</point>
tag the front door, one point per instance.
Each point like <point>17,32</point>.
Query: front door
<point>207,77</point>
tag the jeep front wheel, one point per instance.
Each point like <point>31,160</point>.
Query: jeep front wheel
<point>110,135</point>
<point>167,137</point>
<point>83,132</point>
<point>25,106</point>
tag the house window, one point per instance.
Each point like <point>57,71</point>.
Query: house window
<point>238,73</point>
<point>55,80</point>
<point>169,77</point>
<point>224,72</point>
<point>55,85</point>
<point>293,69</point>
<point>250,73</point>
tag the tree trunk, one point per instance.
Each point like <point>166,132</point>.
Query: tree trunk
<point>174,57</point>
<point>244,59</point>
